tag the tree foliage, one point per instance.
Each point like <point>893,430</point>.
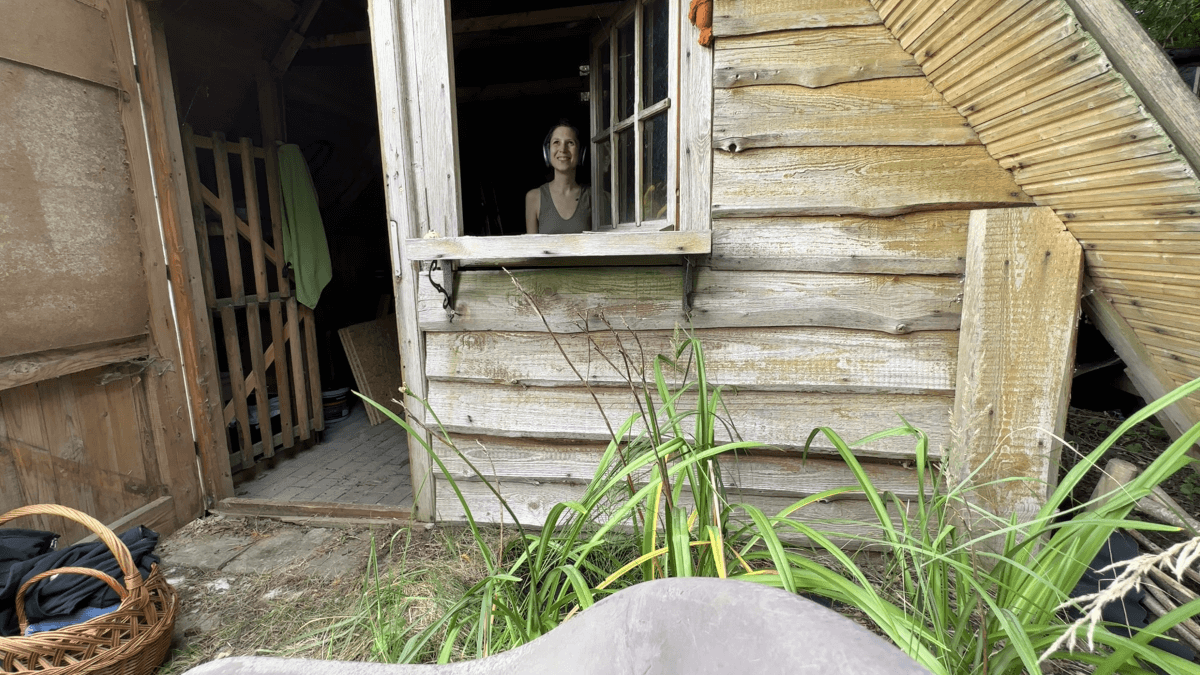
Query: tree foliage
<point>1172,23</point>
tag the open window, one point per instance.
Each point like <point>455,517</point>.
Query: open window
<point>648,91</point>
<point>633,122</point>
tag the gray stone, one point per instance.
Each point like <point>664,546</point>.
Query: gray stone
<point>207,552</point>
<point>281,549</point>
<point>667,627</point>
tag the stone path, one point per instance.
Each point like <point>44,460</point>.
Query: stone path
<point>355,463</point>
<point>214,557</point>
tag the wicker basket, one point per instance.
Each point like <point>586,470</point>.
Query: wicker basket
<point>133,640</point>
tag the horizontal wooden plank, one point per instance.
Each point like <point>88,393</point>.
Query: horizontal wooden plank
<point>1096,94</point>
<point>16,371</point>
<point>781,419</point>
<point>893,111</point>
<point>1123,212</point>
<point>1157,311</point>
<point>1171,283</point>
<point>1108,136</point>
<point>1178,340</point>
<point>1165,229</point>
<point>237,506</point>
<point>158,515</point>
<point>871,181</point>
<point>1090,160</point>
<point>847,522</point>
<point>564,462</point>
<point>1189,244</point>
<point>624,243</point>
<point>1157,262</point>
<point>1110,177</point>
<point>1140,289</point>
<point>932,242</point>
<point>646,298</point>
<point>61,36</point>
<point>775,359</point>
<point>811,58</point>
<point>742,17</point>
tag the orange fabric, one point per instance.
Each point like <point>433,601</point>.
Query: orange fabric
<point>700,14</point>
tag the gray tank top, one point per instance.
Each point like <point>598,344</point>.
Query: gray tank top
<point>550,222</point>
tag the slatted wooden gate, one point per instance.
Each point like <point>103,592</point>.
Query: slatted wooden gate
<point>269,338</point>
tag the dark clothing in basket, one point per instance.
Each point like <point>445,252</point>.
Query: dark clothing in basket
<point>67,593</point>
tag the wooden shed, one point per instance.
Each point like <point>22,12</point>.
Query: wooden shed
<point>863,210</point>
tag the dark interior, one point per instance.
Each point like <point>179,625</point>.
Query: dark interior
<point>512,85</point>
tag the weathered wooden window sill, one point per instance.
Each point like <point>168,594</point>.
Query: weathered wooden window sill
<point>482,250</point>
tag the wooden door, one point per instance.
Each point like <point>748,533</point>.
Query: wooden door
<point>98,352</point>
<point>268,339</point>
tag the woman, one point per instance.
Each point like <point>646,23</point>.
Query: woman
<point>562,205</point>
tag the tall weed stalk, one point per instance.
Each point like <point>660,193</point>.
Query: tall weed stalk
<point>962,603</point>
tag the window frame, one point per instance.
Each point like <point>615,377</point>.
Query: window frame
<point>422,34</point>
<point>633,10</point>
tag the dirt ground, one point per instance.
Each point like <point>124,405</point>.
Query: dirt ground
<point>245,593</point>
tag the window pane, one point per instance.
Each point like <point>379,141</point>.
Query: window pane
<point>625,179</point>
<point>654,52</point>
<point>625,65</point>
<point>602,195</point>
<point>654,167</point>
<point>605,86</point>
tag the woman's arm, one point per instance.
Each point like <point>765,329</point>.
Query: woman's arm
<point>533,205</point>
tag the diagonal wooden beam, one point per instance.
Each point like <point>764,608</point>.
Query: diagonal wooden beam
<point>1148,378</point>
<point>294,40</point>
<point>242,228</point>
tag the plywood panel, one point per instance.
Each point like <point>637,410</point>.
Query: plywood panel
<point>643,298</point>
<point>740,17</point>
<point>933,242</point>
<point>894,111</point>
<point>858,180</point>
<point>373,350</point>
<point>778,359</point>
<point>779,418</point>
<point>567,462</point>
<point>61,36</point>
<point>70,266</point>
<point>811,58</point>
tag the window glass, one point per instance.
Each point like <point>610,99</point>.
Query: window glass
<point>625,70</point>
<point>654,167</point>
<point>654,52</point>
<point>626,152</point>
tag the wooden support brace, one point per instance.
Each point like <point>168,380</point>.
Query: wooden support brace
<point>1016,352</point>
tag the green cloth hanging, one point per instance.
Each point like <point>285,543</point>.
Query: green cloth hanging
<point>304,245</point>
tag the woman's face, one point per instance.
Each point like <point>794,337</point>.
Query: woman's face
<point>564,149</point>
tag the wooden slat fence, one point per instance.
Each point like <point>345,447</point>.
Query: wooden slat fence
<point>269,339</point>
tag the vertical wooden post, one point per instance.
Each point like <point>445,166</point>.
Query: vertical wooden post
<point>189,289</point>
<point>1015,359</point>
<point>271,123</point>
<point>258,360</point>
<point>695,130</point>
<point>165,387</point>
<point>392,93</point>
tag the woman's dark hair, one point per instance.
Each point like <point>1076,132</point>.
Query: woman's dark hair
<point>564,122</point>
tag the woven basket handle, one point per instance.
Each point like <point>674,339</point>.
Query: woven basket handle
<point>86,571</point>
<point>133,578</point>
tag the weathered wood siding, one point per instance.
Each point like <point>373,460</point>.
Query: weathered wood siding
<point>842,184</point>
<point>93,411</point>
<point>1046,101</point>
<point>82,440</point>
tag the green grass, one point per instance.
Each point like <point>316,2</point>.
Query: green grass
<point>965,600</point>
